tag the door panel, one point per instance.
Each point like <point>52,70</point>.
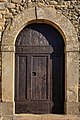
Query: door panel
<point>22,77</point>
<point>33,107</point>
<point>39,77</point>
<point>21,68</point>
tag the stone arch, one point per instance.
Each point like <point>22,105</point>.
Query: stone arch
<point>64,26</point>
<point>49,15</point>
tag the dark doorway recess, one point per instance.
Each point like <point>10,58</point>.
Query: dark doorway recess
<point>40,70</point>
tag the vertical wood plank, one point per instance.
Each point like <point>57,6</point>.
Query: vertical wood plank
<point>28,76</point>
<point>39,77</point>
<point>44,78</point>
<point>22,77</point>
<point>17,78</point>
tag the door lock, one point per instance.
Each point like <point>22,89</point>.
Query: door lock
<point>34,73</point>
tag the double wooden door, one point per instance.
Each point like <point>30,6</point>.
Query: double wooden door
<point>33,83</point>
<point>39,86</point>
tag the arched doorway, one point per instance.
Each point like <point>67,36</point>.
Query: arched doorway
<point>40,70</point>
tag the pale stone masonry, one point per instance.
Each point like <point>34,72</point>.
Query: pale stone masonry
<point>14,14</point>
<point>10,8</point>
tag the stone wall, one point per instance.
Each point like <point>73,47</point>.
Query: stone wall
<point>2,23</point>
<point>10,8</point>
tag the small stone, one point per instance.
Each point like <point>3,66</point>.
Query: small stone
<point>10,5</point>
<point>64,6</point>
<point>2,12</point>
<point>0,33</point>
<point>40,4</point>
<point>1,22</point>
<point>24,0</point>
<point>9,15</point>
<point>13,11</point>
<point>1,27</point>
<point>3,0</point>
<point>0,16</point>
<point>21,8</point>
<point>16,1</point>
<point>2,6</point>
<point>53,3</point>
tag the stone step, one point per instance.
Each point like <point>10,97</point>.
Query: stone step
<point>41,117</point>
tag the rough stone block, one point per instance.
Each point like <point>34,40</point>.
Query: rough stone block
<point>16,1</point>
<point>72,76</point>
<point>0,34</point>
<point>2,5</point>
<point>2,12</point>
<point>0,63</point>
<point>0,109</point>
<point>7,76</point>
<point>0,73</point>
<point>40,13</point>
<point>9,15</point>
<point>7,48</point>
<point>3,0</point>
<point>1,29</point>
<point>0,90</point>
<point>0,16</point>
<point>10,5</point>
<point>52,2</point>
<point>7,118</point>
<point>72,108</point>
<point>7,108</point>
<point>45,117</point>
<point>1,23</point>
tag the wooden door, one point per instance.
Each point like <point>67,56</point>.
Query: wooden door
<point>39,79</point>
<point>33,93</point>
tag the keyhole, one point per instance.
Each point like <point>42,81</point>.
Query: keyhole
<point>34,73</point>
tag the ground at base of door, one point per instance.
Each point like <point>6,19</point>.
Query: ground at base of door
<point>40,117</point>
